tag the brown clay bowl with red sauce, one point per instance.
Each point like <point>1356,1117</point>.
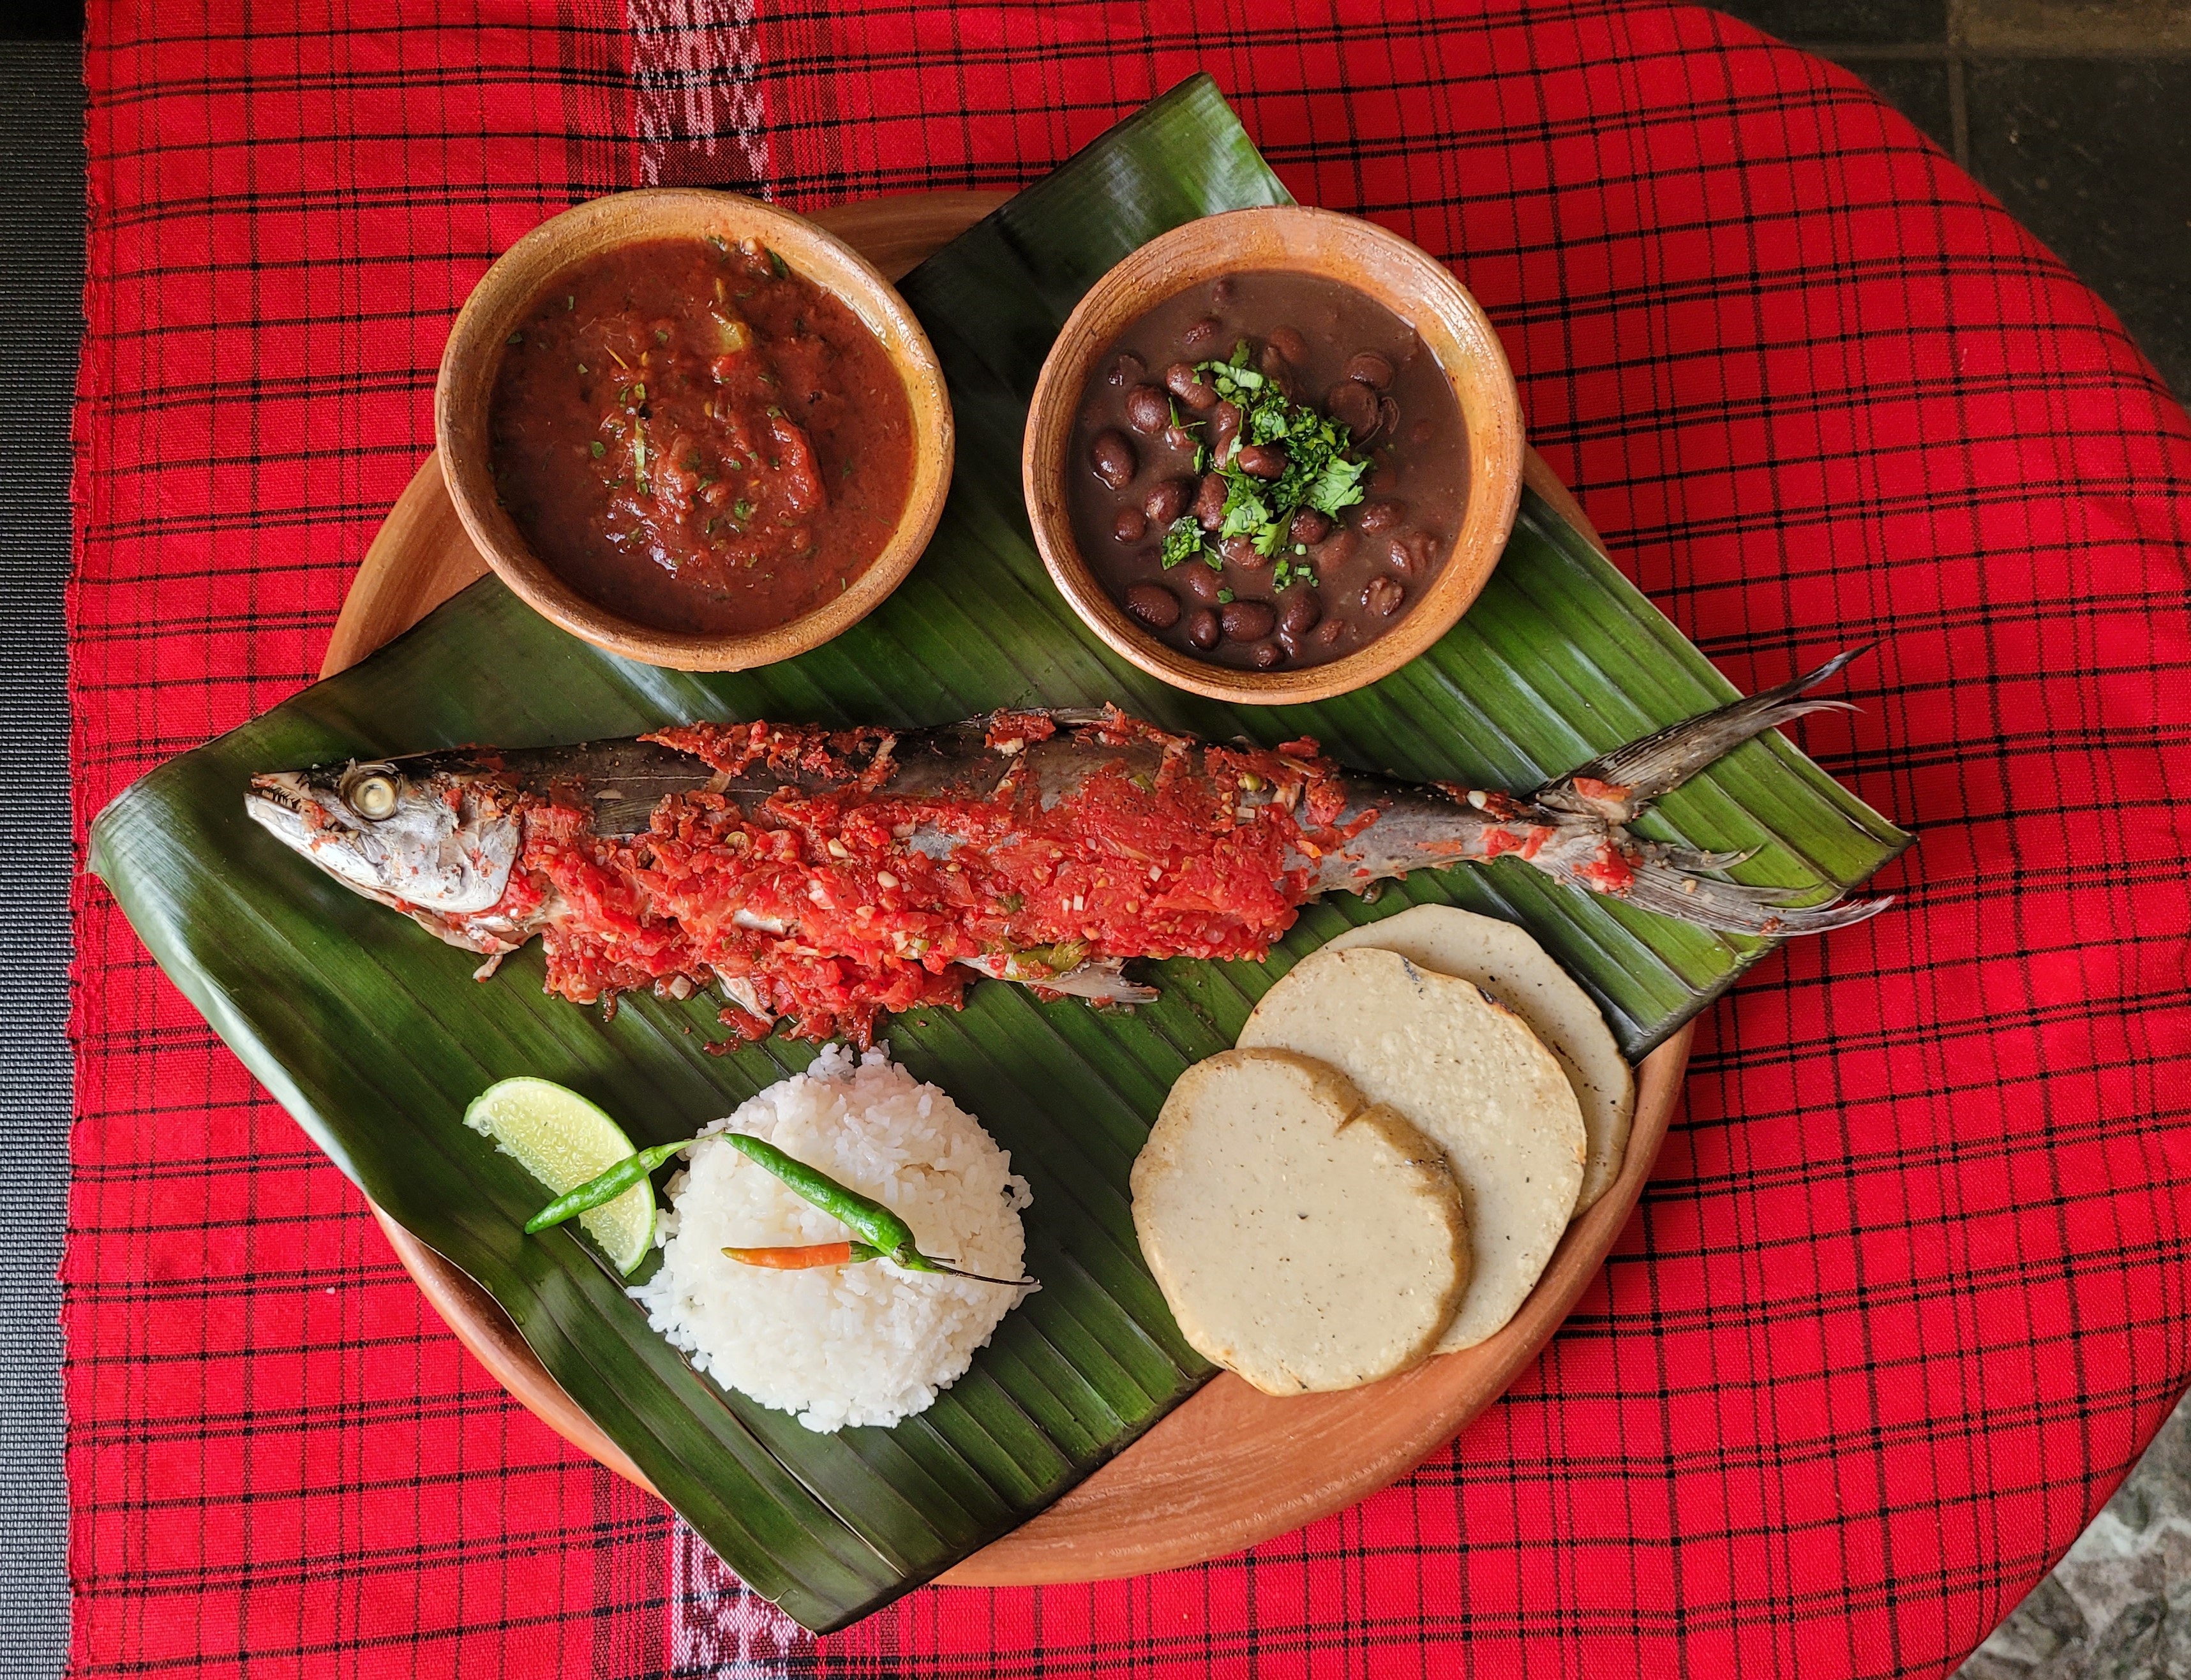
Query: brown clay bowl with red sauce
<point>1431,304</point>
<point>511,295</point>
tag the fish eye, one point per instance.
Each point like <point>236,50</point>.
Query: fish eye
<point>372,794</point>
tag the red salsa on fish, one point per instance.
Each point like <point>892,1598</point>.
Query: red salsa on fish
<point>698,438</point>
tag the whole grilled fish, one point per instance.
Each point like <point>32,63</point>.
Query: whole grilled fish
<point>823,876</point>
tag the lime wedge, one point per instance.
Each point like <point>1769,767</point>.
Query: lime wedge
<point>563,1140</point>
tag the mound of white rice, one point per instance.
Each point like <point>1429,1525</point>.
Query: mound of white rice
<point>848,1344</point>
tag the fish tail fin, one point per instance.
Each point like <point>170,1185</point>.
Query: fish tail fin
<point>1617,785</point>
<point>1654,883</point>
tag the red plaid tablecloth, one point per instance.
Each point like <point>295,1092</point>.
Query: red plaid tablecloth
<point>1909,1292</point>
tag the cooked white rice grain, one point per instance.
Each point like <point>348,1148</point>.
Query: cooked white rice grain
<point>838,1345</point>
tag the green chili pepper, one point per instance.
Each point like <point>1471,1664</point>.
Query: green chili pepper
<point>865,1216</point>
<point>882,1229</point>
<point>607,1186</point>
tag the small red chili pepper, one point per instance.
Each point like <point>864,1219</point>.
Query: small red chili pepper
<point>805,1258</point>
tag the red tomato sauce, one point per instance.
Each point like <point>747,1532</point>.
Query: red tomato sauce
<point>817,904</point>
<point>698,438</point>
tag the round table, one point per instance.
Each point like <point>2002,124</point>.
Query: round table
<point>1907,1294</point>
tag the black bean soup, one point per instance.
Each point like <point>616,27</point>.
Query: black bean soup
<point>1267,471</point>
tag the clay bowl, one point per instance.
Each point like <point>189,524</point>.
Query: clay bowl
<point>1409,281</point>
<point>469,365</point>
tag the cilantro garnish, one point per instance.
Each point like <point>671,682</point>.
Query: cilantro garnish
<point>1320,471</point>
<point>1182,540</point>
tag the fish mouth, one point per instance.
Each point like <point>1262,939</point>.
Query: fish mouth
<point>281,799</point>
<point>279,803</point>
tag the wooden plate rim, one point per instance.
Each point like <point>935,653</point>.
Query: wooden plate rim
<point>1229,1466</point>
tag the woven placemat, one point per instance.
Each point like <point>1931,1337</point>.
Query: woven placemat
<point>41,258</point>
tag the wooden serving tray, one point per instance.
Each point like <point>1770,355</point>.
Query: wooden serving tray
<point>1230,1466</point>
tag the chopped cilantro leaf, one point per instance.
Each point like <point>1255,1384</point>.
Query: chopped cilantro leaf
<point>1225,598</point>
<point>1338,486</point>
<point>1245,510</point>
<point>1182,540</point>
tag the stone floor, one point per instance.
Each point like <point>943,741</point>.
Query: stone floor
<point>2076,114</point>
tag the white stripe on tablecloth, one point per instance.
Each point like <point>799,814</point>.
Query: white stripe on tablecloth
<point>719,1630</point>
<point>696,67</point>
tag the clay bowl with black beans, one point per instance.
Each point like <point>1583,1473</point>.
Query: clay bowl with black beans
<point>1274,455</point>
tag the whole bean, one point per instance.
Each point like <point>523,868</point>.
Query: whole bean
<point>1247,621</point>
<point>1179,439</point>
<point>1203,334</point>
<point>1224,427</point>
<point>1148,410</point>
<point>1240,551</point>
<point>1309,526</point>
<point>1383,596</point>
<point>1411,553</point>
<point>1290,344</point>
<point>1184,383</point>
<point>1300,612</point>
<point>1203,629</point>
<point>1168,500</point>
<point>1262,460</point>
<point>1371,369</point>
<point>1131,526</point>
<point>1337,548</point>
<point>1155,605</point>
<point>1381,515</point>
<point>1354,405</point>
<point>1264,655</point>
<point>1209,502</point>
<point>1277,370</point>
<point>1327,634</point>
<point>1112,458</point>
<point>1388,415</point>
<point>1199,580</point>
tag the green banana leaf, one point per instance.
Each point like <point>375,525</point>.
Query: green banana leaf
<point>375,1036</point>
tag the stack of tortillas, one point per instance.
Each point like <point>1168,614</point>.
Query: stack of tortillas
<point>1381,1169</point>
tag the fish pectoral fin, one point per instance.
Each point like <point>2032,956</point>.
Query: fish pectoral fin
<point>1103,981</point>
<point>478,940</point>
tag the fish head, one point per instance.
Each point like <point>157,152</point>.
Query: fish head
<point>417,836</point>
